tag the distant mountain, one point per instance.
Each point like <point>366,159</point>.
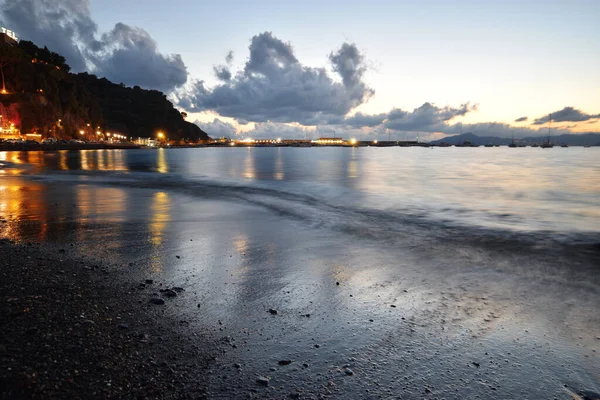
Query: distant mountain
<point>584,139</point>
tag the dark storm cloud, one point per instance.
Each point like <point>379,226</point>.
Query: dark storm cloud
<point>567,114</point>
<point>427,117</point>
<point>125,54</point>
<point>522,119</point>
<point>275,86</point>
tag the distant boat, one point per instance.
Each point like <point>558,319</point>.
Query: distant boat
<point>564,145</point>
<point>512,144</point>
<point>489,145</point>
<point>548,144</point>
<point>587,145</point>
<point>535,145</point>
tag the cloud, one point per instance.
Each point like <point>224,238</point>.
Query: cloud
<point>428,117</point>
<point>522,119</point>
<point>274,130</point>
<point>217,128</point>
<point>275,86</point>
<point>567,114</point>
<point>222,72</point>
<point>124,54</point>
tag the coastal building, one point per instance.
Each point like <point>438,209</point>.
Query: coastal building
<point>8,37</point>
<point>329,141</point>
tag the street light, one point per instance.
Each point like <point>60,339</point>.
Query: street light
<point>161,135</point>
<point>81,132</point>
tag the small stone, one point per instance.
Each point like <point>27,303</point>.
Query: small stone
<point>475,364</point>
<point>149,281</point>
<point>427,390</point>
<point>348,371</point>
<point>273,311</point>
<point>284,362</point>
<point>178,289</point>
<point>263,380</point>
<point>337,283</point>
<point>177,257</point>
<point>170,293</point>
<point>317,346</point>
<point>393,305</point>
<point>237,365</point>
<point>157,300</point>
<point>123,326</point>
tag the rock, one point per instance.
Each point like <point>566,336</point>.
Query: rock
<point>284,362</point>
<point>475,364</point>
<point>317,346</point>
<point>170,293</point>
<point>237,365</point>
<point>393,305</point>
<point>178,289</point>
<point>348,371</point>
<point>177,257</point>
<point>157,300</point>
<point>263,380</point>
<point>61,251</point>
<point>337,283</point>
<point>273,311</point>
<point>427,390</point>
<point>149,281</point>
<point>124,326</point>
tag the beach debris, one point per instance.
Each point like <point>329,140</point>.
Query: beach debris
<point>273,311</point>
<point>263,380</point>
<point>284,362</point>
<point>157,300</point>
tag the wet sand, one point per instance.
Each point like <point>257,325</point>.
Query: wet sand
<point>279,294</point>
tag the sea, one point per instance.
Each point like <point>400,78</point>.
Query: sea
<point>444,272</point>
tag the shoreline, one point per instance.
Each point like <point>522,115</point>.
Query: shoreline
<point>75,328</point>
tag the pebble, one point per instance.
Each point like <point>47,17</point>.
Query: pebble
<point>284,362</point>
<point>263,380</point>
<point>123,326</point>
<point>273,311</point>
<point>149,281</point>
<point>348,371</point>
<point>170,293</point>
<point>157,300</point>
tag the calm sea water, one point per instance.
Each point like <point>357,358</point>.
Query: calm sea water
<point>554,191</point>
<point>488,255</point>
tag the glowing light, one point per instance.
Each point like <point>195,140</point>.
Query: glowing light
<point>248,140</point>
<point>81,132</point>
<point>352,141</point>
<point>161,135</point>
<point>374,141</point>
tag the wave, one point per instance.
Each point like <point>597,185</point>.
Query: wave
<point>407,227</point>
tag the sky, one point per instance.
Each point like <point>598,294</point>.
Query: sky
<point>365,69</point>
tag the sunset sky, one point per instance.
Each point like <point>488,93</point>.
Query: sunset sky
<point>408,68</point>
